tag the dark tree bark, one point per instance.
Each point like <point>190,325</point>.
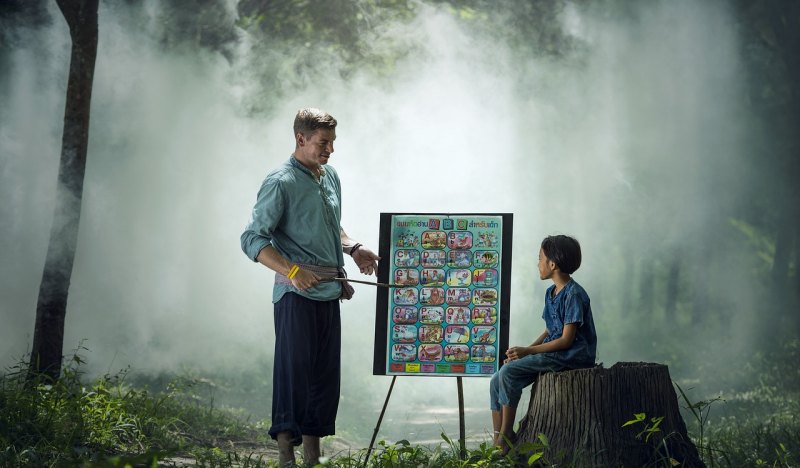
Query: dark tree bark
<point>582,413</point>
<point>796,285</point>
<point>647,281</point>
<point>628,294</point>
<point>671,304</point>
<point>700,296</point>
<point>784,22</point>
<point>48,337</point>
<point>780,261</point>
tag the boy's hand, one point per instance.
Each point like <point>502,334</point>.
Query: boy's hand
<point>517,352</point>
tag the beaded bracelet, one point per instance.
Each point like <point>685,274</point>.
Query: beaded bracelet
<point>293,271</point>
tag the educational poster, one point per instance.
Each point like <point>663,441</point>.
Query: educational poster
<point>446,313</point>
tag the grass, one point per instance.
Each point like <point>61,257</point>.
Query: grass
<point>761,428</point>
<point>108,421</point>
<point>756,423</point>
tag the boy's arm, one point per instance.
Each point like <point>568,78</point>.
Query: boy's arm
<point>540,339</point>
<point>564,342</point>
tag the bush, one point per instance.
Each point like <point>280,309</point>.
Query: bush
<point>69,422</point>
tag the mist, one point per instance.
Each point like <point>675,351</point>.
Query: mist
<point>636,139</point>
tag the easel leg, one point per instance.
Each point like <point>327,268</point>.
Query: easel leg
<point>378,426</point>
<point>462,439</point>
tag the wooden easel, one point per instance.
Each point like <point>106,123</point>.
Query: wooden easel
<point>462,443</point>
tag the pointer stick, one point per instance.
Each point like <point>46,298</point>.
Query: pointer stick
<point>381,285</point>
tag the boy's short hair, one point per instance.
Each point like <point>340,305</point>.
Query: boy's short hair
<point>310,119</point>
<point>564,251</point>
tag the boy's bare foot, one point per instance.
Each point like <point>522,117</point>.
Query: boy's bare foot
<point>504,441</point>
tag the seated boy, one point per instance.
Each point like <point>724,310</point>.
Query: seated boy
<point>569,340</point>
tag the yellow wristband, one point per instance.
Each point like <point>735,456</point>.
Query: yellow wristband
<point>293,271</point>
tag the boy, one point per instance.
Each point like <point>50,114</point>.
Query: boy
<point>569,340</point>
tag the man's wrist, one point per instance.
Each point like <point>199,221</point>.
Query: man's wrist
<point>354,248</point>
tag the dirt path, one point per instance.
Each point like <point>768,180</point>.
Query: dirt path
<point>253,452</point>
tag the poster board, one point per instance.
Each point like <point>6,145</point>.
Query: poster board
<point>449,312</point>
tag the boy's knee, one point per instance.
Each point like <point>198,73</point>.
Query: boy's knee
<point>504,376</point>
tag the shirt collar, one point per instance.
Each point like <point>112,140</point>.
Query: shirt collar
<point>303,168</point>
<point>552,288</point>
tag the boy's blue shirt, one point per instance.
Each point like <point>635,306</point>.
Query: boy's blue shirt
<point>571,305</point>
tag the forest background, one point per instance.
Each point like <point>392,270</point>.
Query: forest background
<point>663,135</point>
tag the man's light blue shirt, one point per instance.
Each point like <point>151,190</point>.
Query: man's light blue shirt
<point>301,219</point>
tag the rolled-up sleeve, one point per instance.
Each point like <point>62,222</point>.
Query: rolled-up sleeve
<point>265,217</point>
<point>573,309</point>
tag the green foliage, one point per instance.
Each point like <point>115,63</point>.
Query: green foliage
<point>105,422</point>
<point>294,44</point>
<point>535,452</point>
<point>446,455</point>
<point>60,422</point>
<point>763,432</point>
<point>650,427</point>
<point>761,243</point>
<point>109,422</point>
<point>700,411</point>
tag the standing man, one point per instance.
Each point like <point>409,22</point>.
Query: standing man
<point>295,230</point>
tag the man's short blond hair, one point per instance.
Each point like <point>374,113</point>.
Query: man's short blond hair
<point>310,119</point>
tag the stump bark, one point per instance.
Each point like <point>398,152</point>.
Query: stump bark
<point>582,413</point>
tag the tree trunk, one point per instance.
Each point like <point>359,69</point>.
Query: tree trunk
<point>780,260</point>
<point>700,296</point>
<point>647,286</point>
<point>783,19</point>
<point>48,337</point>
<point>628,293</point>
<point>582,413</point>
<point>795,304</point>
<point>673,278</point>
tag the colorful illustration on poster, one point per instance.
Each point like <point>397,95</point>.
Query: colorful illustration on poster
<point>445,314</point>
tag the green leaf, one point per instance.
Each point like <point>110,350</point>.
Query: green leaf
<point>543,439</point>
<point>532,459</point>
<point>528,447</point>
<point>639,418</point>
<point>657,421</point>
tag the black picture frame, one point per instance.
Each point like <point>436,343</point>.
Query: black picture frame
<point>382,302</point>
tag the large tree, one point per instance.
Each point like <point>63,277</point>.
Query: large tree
<point>770,31</point>
<point>51,309</point>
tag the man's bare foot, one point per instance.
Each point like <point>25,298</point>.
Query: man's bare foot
<point>285,448</point>
<point>311,451</point>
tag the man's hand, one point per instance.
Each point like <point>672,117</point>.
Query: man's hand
<point>305,279</point>
<point>366,260</point>
<point>517,352</point>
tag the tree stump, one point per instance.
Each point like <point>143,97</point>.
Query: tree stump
<point>582,413</point>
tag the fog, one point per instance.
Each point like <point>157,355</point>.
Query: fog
<point>635,142</point>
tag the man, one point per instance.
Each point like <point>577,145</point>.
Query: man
<point>295,230</point>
